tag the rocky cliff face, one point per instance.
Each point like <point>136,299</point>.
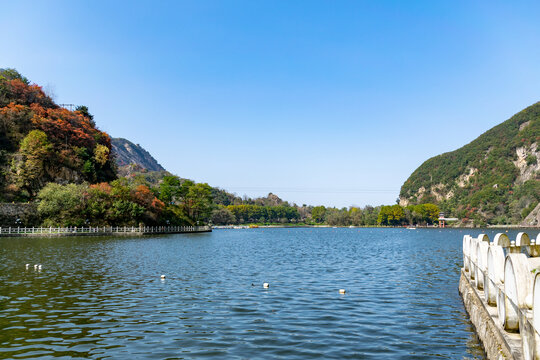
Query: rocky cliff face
<point>494,179</point>
<point>533,219</point>
<point>127,153</point>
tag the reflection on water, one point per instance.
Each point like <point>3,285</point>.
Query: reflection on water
<point>103,297</point>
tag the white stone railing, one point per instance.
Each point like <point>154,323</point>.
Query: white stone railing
<point>508,274</point>
<point>97,230</point>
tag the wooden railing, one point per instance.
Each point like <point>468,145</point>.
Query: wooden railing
<point>105,230</point>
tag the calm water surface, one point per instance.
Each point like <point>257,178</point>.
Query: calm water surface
<point>103,297</point>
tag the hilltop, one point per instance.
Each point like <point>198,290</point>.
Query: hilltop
<point>127,153</point>
<point>495,179</point>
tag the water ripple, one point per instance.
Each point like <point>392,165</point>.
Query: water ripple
<point>103,297</point>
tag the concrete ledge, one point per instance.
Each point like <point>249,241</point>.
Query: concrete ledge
<point>498,344</point>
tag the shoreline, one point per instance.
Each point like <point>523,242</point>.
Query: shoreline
<point>254,226</point>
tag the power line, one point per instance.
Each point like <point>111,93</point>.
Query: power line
<point>311,190</point>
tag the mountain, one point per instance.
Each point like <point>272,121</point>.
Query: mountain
<point>127,153</point>
<point>495,179</point>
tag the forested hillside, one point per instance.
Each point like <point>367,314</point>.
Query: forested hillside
<point>41,142</point>
<point>494,179</point>
<point>60,162</point>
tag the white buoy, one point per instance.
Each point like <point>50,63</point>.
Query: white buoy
<point>39,267</point>
<point>27,266</point>
<point>266,285</point>
<point>163,276</point>
<point>35,266</point>
<point>342,291</point>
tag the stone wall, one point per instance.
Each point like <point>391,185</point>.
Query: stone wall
<point>489,332</point>
<point>25,213</point>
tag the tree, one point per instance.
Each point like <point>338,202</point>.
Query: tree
<point>423,213</point>
<point>35,150</point>
<point>431,213</point>
<point>356,216</point>
<point>62,205</point>
<point>222,216</point>
<point>101,154</point>
<point>169,189</point>
<point>198,202</point>
<point>12,74</point>
<point>336,217</point>
<point>369,215</point>
<point>318,214</point>
<point>390,215</point>
<point>83,110</point>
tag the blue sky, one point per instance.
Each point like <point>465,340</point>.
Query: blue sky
<point>320,102</point>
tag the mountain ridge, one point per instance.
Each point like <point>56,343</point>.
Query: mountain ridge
<point>494,179</point>
<point>127,153</point>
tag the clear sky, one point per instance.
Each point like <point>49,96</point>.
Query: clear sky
<point>320,102</point>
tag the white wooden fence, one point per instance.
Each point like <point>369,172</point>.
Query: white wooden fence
<point>100,230</point>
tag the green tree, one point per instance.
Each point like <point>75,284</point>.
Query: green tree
<point>431,212</point>
<point>169,189</point>
<point>318,214</point>
<point>222,216</point>
<point>198,202</point>
<point>89,171</point>
<point>391,215</point>
<point>11,74</point>
<point>62,205</point>
<point>35,150</point>
<point>336,217</point>
<point>355,215</point>
<point>83,109</point>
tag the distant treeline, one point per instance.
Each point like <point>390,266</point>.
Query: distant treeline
<point>393,215</point>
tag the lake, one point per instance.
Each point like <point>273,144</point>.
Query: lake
<point>102,297</point>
